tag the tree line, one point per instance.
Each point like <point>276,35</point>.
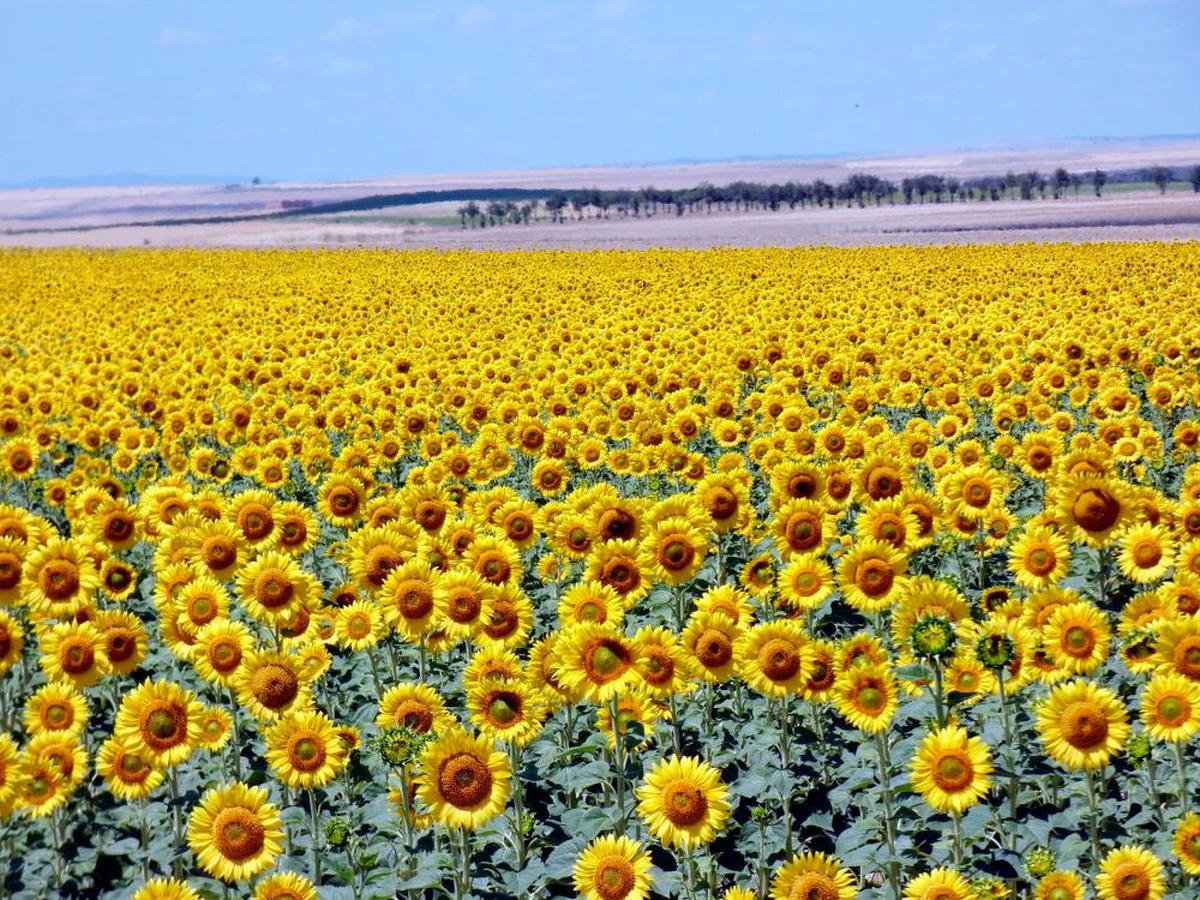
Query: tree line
<point>859,190</point>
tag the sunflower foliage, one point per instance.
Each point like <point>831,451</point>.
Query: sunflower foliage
<point>738,574</point>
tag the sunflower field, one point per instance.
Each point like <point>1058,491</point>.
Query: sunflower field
<point>741,574</point>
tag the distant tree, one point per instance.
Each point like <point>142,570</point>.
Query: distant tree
<point>1161,176</point>
<point>1042,183</point>
<point>1062,178</point>
<point>462,215</point>
<point>472,211</point>
<point>1099,179</point>
<point>953,186</point>
<point>1076,181</point>
<point>256,180</point>
<point>1194,178</point>
<point>1010,183</point>
<point>1026,182</point>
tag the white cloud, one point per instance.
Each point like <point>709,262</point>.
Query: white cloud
<point>180,36</point>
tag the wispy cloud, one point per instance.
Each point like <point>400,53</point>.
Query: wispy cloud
<point>324,67</point>
<point>975,53</point>
<point>181,36</point>
<point>612,10</point>
<point>349,30</point>
<point>476,16</point>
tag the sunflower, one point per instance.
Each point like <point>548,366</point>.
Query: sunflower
<point>613,867</point>
<point>711,640</point>
<point>1039,558</point>
<point>510,618</point>
<point>1096,508</point>
<point>496,560</point>
<point>509,710</point>
<point>252,512</point>
<point>415,706</point>
<point>303,750</point>
<point>359,626</point>
<point>56,707</point>
<point>235,832</point>
<point>64,751</point>
<point>817,875</point>
<point>59,579</point>
<point>939,884</point>
<point>463,602</point>
<point>341,500</point>
<point>216,726</point>
<point>802,526</point>
<point>218,549</point>
<point>1131,873</point>
<point>950,770</point>
<point>464,780</point>
<point>12,641</point>
<point>1077,638</point>
<point>591,601</point>
<point>1187,843</point>
<point>202,600</point>
<point>296,528</point>
<point>866,695</point>
<point>635,705</point>
<point>492,664</point>
<point>165,889</point>
<point>673,551</point>
<point>126,770</point>
<point>1147,552</point>
<point>273,586</point>
<point>125,640</point>
<point>659,659</point>
<point>372,553</point>
<point>974,492</point>
<point>221,647</point>
<point>1177,647</point>
<point>1171,708</point>
<point>775,658</point>
<point>1082,725</point>
<point>12,560</point>
<point>595,661</point>
<point>407,598</point>
<point>285,886</point>
<point>684,802</point>
<point>115,522</point>
<point>270,684</point>
<point>1060,885</point>
<point>162,720</point>
<point>871,576</point>
<point>616,564</point>
<point>74,652</point>
<point>40,788</point>
<point>725,499</point>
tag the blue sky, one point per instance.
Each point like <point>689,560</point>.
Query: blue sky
<point>339,90</point>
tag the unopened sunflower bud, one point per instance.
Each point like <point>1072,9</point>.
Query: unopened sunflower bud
<point>1039,862</point>
<point>337,832</point>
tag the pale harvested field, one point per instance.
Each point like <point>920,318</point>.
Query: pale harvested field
<point>36,215</point>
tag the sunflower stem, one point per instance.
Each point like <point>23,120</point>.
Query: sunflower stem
<point>60,871</point>
<point>1152,790</point>
<point>375,673</point>
<point>1093,819</point>
<point>315,825</point>
<point>518,824</point>
<point>786,764</point>
<point>465,885</point>
<point>614,714</point>
<point>939,699</point>
<point>764,867</point>
<point>176,823</point>
<point>235,742</point>
<point>889,820</point>
<point>1181,766</point>
<point>1013,786</point>
<point>676,727</point>
<point>958,841</point>
<point>145,839</point>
